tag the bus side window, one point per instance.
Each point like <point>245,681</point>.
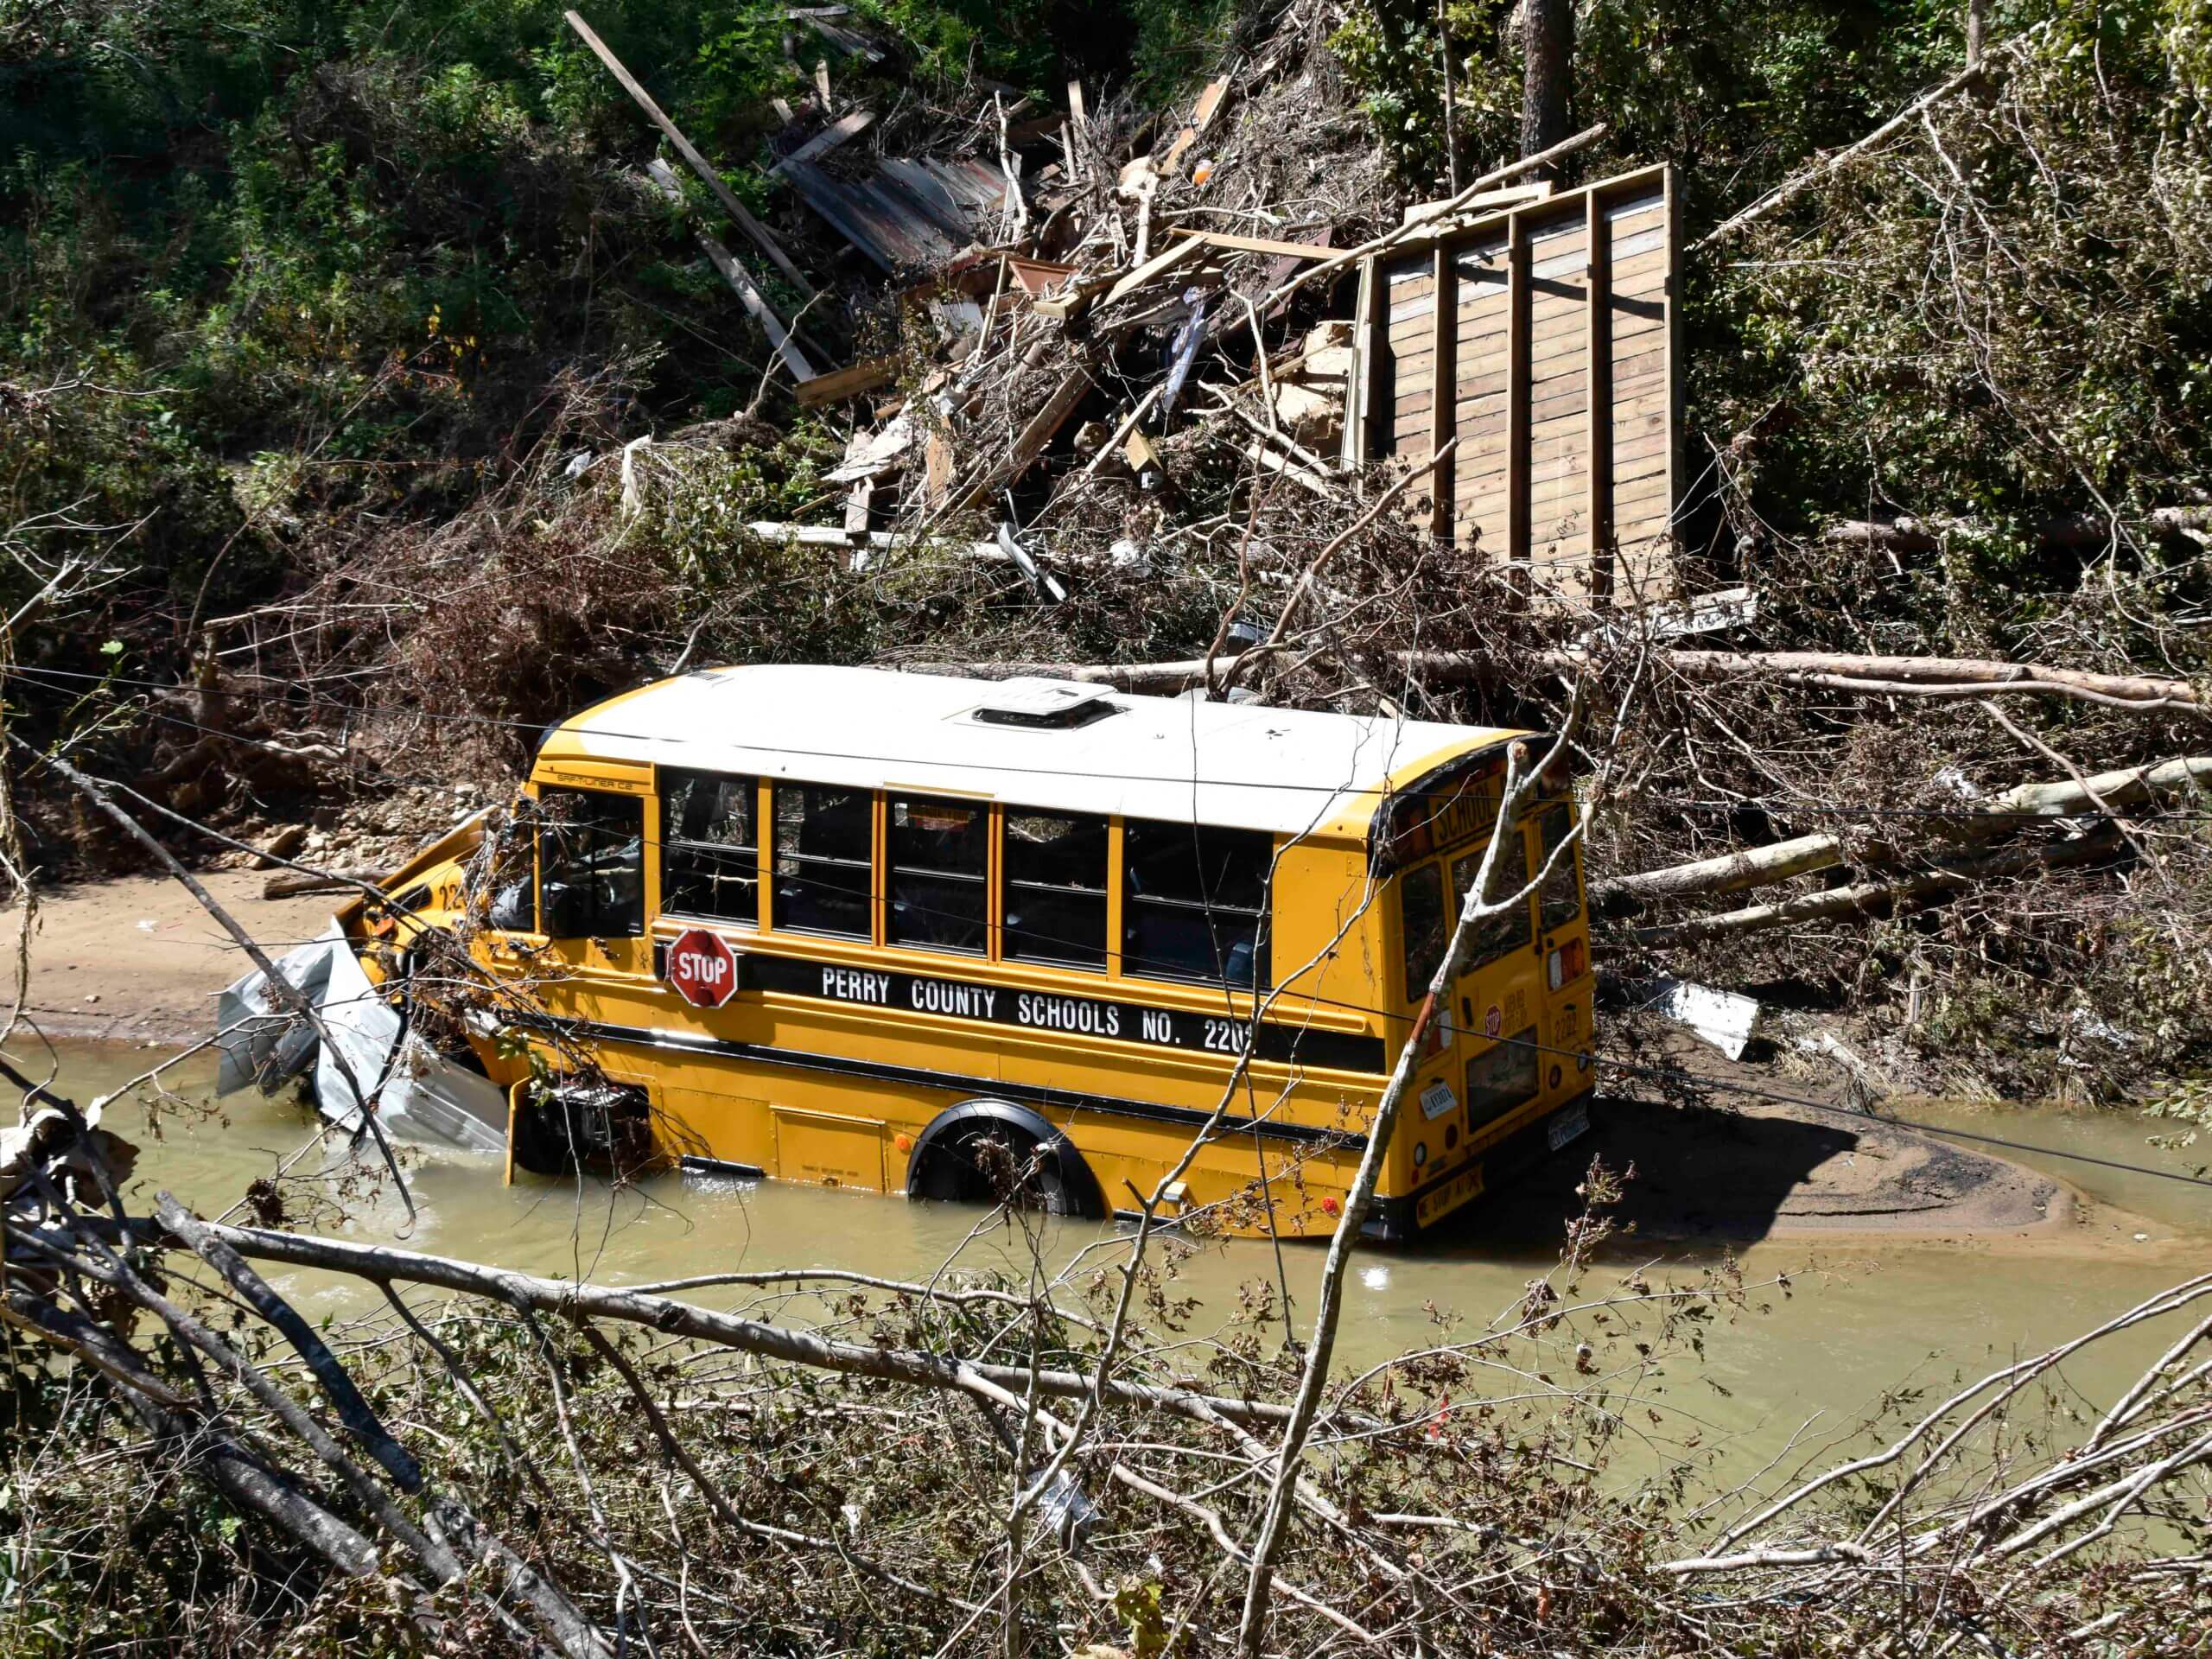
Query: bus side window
<point>1508,931</point>
<point>710,847</point>
<point>940,855</point>
<point>591,864</point>
<point>513,906</point>
<point>825,859</point>
<point>1563,895</point>
<point>1194,902</point>
<point>1055,877</point>
<point>1420,916</point>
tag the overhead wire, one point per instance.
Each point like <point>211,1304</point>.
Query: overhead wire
<point>1615,803</point>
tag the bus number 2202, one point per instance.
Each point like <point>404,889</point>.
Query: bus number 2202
<point>1228,1036</point>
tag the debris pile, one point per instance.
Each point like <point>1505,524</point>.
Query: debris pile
<point>1113,349</point>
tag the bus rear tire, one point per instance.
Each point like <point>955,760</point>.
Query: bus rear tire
<point>993,1151</point>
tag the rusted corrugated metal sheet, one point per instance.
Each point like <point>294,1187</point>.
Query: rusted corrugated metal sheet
<point>907,214</point>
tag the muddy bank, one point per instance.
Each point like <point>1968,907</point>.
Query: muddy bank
<point>136,959</point>
<point>1744,1170</point>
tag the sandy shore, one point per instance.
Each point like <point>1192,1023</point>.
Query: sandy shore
<point>136,959</point>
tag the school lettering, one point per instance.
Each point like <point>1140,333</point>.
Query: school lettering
<point>1043,1011</point>
<point>856,985</point>
<point>1067,1014</point>
<point>941,996</point>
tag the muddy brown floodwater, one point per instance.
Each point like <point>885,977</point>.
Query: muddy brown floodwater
<point>1864,1312</point>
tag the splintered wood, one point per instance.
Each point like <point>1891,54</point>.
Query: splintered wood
<point>1550,326</point>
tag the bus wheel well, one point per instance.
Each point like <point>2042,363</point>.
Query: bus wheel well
<point>957,1157</point>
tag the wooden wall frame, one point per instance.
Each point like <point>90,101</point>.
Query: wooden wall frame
<point>1544,338</point>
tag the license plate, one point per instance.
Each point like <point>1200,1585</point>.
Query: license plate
<point>1567,1126</point>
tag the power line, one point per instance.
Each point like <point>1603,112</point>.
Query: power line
<point>1675,1074</point>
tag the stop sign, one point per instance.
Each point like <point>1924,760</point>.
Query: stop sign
<point>701,967</point>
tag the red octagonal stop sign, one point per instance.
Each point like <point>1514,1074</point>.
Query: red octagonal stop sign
<point>701,967</point>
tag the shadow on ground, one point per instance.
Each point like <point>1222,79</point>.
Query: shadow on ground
<point>1723,1176</point>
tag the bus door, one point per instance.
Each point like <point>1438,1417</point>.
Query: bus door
<point>591,882</point>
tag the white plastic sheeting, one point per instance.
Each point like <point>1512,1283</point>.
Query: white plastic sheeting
<point>417,1093</point>
<point>1720,1018</point>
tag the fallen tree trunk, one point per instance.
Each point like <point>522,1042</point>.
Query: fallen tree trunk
<point>1922,676</point>
<point>247,1480</point>
<point>1931,676</point>
<point>381,1265</point>
<point>1760,867</point>
<point>1912,535</point>
<point>1865,896</point>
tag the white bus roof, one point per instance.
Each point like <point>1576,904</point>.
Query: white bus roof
<point>1242,766</point>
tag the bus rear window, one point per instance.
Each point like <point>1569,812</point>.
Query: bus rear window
<point>1194,902</point>
<point>710,845</point>
<point>1563,895</point>
<point>1501,1077</point>
<point>1503,933</point>
<point>1420,914</point>
<point>591,864</point>
<point>825,864</point>
<point>940,851</point>
<point>1055,899</point>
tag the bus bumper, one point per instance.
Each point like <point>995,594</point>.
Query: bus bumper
<point>1397,1219</point>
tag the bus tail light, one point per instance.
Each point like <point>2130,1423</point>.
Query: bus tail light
<point>1570,960</point>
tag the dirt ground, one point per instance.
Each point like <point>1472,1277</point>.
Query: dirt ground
<point>1738,1170</point>
<point>136,959</point>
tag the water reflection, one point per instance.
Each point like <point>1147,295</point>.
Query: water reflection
<point>1802,1362</point>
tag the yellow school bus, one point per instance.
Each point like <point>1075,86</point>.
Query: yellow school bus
<point>875,930</point>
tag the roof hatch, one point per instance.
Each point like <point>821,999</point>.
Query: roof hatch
<point>1043,705</point>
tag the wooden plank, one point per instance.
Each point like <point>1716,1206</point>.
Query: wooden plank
<point>1506,195</point>
<point>827,140</point>
<point>757,232</point>
<point>741,281</point>
<point>1641,275</point>
<point>1446,321</point>
<point>1516,392</point>
<point>1201,116</point>
<point>840,383</point>
<point>1646,503</point>
<point>1073,304</point>
<point>1644,446</point>
<point>1597,371</point>
<point>1359,390</point>
<point>1674,346</point>
<point>1208,103</point>
<point>1038,432</point>
<point>1260,244</point>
